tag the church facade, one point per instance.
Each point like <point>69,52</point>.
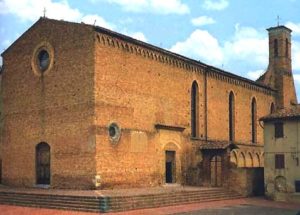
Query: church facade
<point>85,107</point>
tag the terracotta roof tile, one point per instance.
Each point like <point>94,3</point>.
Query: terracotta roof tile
<point>286,113</point>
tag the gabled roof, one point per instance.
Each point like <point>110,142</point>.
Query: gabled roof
<point>151,47</point>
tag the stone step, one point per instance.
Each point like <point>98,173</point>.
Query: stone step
<point>112,200</point>
<point>114,203</point>
<point>121,207</point>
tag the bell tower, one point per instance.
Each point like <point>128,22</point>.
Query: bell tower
<point>279,74</point>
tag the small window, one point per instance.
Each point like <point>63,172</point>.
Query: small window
<point>286,47</point>
<point>279,161</point>
<point>275,48</point>
<point>297,186</point>
<point>272,108</point>
<point>278,130</point>
<point>114,132</point>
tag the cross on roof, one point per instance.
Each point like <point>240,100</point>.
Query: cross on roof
<point>278,20</point>
<point>44,11</point>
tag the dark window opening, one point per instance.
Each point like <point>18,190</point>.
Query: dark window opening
<point>278,129</point>
<point>43,60</point>
<point>253,121</point>
<point>275,48</point>
<point>43,173</point>
<point>272,109</point>
<point>286,47</point>
<point>297,186</point>
<point>194,109</point>
<point>279,161</point>
<point>231,116</point>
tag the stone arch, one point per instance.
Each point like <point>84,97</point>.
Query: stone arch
<point>249,160</point>
<point>280,184</point>
<point>233,158</point>
<point>98,38</point>
<point>171,164</point>
<point>103,39</point>
<point>242,160</point>
<point>171,145</point>
<point>256,160</point>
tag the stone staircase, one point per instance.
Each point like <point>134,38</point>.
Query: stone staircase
<point>113,203</point>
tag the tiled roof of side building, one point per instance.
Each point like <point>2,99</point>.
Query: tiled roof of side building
<point>284,114</point>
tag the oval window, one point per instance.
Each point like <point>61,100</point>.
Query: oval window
<point>43,60</point>
<point>114,132</point>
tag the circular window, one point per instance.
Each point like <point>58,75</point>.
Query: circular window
<point>43,59</point>
<point>114,132</point>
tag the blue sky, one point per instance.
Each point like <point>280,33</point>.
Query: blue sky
<point>229,34</point>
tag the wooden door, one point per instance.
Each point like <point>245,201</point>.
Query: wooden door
<point>43,163</point>
<point>170,167</point>
<point>216,171</point>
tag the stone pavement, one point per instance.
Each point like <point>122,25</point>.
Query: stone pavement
<point>257,206</point>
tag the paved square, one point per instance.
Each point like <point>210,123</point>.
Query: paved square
<point>243,209</point>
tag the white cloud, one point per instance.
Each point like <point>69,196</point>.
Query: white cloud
<point>254,75</point>
<point>202,20</point>
<point>153,6</point>
<point>200,45</point>
<point>297,78</point>
<point>31,10</point>
<point>6,43</point>
<point>296,55</point>
<point>215,4</point>
<point>247,44</point>
<point>294,26</point>
<point>139,36</point>
<point>97,20</point>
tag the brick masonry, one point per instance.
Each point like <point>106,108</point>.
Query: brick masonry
<point>99,77</point>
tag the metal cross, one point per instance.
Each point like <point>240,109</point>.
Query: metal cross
<point>278,19</point>
<point>44,11</point>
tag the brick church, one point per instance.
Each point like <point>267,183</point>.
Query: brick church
<point>85,107</point>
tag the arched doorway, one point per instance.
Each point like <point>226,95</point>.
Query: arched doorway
<point>42,153</point>
<point>170,167</point>
<point>216,171</point>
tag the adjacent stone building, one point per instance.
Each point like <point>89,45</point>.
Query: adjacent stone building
<point>87,107</point>
<point>282,152</point>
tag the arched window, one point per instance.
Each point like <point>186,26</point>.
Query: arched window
<point>194,110</point>
<point>253,120</point>
<point>272,108</point>
<point>286,47</point>
<point>231,116</point>
<point>275,48</point>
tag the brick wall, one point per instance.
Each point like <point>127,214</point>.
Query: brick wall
<point>97,79</point>
<point>56,108</point>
